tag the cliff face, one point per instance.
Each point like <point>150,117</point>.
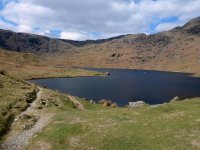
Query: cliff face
<point>175,50</point>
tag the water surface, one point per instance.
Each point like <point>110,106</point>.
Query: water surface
<point>123,85</point>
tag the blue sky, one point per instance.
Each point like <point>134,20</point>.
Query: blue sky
<point>1,5</point>
<point>89,19</point>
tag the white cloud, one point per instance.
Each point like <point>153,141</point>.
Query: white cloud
<point>82,35</point>
<point>121,6</point>
<point>24,28</point>
<point>72,35</point>
<point>166,26</point>
<point>78,19</point>
<point>27,14</point>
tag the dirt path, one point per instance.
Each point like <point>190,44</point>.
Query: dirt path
<point>76,103</point>
<point>17,140</point>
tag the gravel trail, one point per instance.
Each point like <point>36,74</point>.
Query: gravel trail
<point>17,140</point>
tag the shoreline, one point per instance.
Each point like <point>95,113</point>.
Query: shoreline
<point>101,75</point>
<point>104,74</point>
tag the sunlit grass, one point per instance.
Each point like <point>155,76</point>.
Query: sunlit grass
<point>171,126</point>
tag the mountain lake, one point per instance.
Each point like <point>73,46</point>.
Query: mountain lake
<point>124,85</point>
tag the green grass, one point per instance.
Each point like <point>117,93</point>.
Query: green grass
<point>14,97</point>
<point>172,126</point>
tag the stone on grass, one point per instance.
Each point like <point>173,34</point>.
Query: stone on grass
<point>105,102</point>
<point>25,116</point>
<point>29,124</point>
<point>108,103</point>
<point>136,104</point>
<point>113,105</point>
<point>175,99</point>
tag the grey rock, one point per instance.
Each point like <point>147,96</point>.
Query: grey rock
<point>29,124</point>
<point>136,104</point>
<point>175,99</point>
<point>25,116</point>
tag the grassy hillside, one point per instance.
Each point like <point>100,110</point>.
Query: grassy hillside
<point>29,66</point>
<point>15,97</point>
<point>17,94</point>
<point>167,51</point>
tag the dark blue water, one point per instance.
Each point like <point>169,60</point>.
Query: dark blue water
<point>125,85</point>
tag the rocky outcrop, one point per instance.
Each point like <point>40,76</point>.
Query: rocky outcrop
<point>193,27</point>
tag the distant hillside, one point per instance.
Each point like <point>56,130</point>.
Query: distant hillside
<point>174,50</point>
<point>25,42</point>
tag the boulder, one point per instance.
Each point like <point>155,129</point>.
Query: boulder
<point>106,102</point>
<point>2,72</point>
<point>107,73</point>
<point>136,104</point>
<point>175,99</point>
<point>28,125</point>
<point>113,105</point>
<point>25,116</point>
